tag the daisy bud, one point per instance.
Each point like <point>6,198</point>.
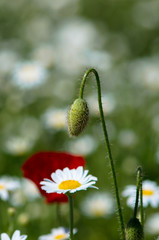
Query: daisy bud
<point>78,116</point>
<point>134,230</point>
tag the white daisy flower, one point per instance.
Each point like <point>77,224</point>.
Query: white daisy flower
<point>67,180</point>
<point>7,185</point>
<point>150,194</point>
<point>98,205</point>
<point>15,236</point>
<point>55,119</point>
<point>29,74</point>
<point>59,233</point>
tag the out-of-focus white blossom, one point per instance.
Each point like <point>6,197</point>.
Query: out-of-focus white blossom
<point>25,193</point>
<point>145,72</point>
<point>102,60</point>
<point>127,138</point>
<point>98,205</point>
<point>55,119</point>
<point>17,145</point>
<point>8,185</point>
<point>108,103</point>
<point>83,145</point>
<point>79,36</point>
<point>28,75</point>
<point>151,225</point>
<point>150,192</point>
<point>60,233</point>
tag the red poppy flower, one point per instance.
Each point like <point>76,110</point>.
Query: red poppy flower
<point>42,164</point>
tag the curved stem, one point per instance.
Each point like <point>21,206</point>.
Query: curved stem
<point>70,197</point>
<point>92,70</point>
<point>139,171</point>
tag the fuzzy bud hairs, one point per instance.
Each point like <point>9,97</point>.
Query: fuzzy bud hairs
<point>134,230</point>
<point>78,116</point>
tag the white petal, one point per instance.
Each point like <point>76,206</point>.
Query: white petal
<point>55,178</point>
<point>4,195</point>
<point>79,173</point>
<point>16,235</point>
<point>23,237</point>
<point>4,236</point>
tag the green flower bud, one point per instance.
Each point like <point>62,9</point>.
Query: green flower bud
<point>78,116</point>
<point>134,230</point>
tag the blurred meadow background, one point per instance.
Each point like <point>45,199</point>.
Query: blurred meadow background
<point>45,48</point>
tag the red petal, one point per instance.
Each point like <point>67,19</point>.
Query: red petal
<point>42,164</point>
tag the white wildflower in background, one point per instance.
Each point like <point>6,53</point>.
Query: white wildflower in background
<point>108,103</point>
<point>8,185</point>
<point>127,138</point>
<point>98,205</point>
<point>29,75</point>
<point>152,224</point>
<point>83,145</point>
<point>145,72</point>
<point>79,36</point>
<point>27,192</point>
<point>59,233</point>
<point>150,194</point>
<point>31,128</point>
<point>67,180</point>
<point>101,59</point>
<point>16,236</point>
<point>17,145</point>
<point>55,119</point>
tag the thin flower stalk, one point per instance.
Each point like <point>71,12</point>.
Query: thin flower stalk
<point>106,142</point>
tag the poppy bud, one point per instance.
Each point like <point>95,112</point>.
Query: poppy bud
<point>134,230</point>
<point>78,116</point>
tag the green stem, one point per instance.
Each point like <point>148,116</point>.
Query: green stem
<point>106,142</point>
<point>137,190</point>
<point>70,197</point>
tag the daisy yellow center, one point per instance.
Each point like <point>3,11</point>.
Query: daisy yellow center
<point>60,236</point>
<point>1,187</point>
<point>69,184</point>
<point>148,192</point>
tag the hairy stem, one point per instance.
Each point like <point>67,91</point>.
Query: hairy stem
<point>106,142</point>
